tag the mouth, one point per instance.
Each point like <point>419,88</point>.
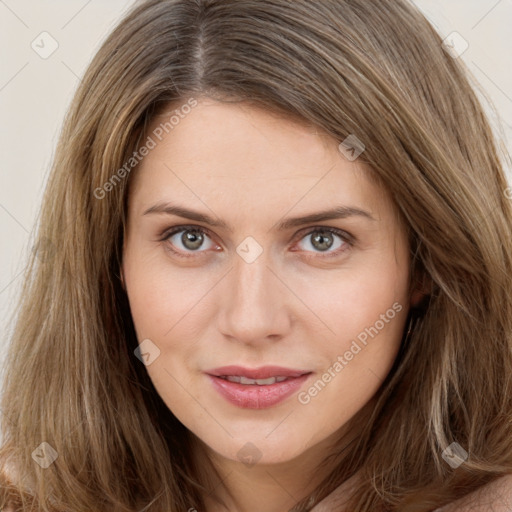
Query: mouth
<point>257,388</point>
<point>257,374</point>
<point>240,379</point>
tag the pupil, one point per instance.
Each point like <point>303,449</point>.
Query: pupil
<point>325,242</point>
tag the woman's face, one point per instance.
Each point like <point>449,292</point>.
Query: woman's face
<point>226,265</point>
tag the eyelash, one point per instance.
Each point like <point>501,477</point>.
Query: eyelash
<point>347,238</point>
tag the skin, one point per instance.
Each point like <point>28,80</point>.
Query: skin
<point>292,306</point>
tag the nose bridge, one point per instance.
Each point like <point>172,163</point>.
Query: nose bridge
<point>254,307</point>
<point>251,280</point>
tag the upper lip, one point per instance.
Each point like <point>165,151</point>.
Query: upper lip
<point>264,372</point>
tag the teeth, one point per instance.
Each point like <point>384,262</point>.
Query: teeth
<point>259,382</point>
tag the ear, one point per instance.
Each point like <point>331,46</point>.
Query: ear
<point>417,297</point>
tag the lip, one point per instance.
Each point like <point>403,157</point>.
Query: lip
<point>254,396</point>
<point>264,372</point>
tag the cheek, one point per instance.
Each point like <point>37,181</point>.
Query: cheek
<point>160,295</point>
<point>166,308</point>
<point>352,299</point>
<point>366,311</point>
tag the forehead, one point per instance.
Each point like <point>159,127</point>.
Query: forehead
<point>221,125</point>
<point>217,150</point>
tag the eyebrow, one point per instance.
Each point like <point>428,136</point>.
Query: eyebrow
<point>340,212</point>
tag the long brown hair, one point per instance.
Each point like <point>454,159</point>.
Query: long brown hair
<point>374,69</point>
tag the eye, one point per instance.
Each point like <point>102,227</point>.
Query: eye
<point>187,239</point>
<point>322,240</point>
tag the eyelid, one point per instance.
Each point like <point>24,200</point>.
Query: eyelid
<point>344,235</point>
<point>168,232</point>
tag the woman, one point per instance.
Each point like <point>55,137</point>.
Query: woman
<point>274,273</point>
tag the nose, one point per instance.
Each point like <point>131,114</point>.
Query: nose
<point>255,305</point>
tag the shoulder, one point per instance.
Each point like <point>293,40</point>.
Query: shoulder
<point>493,497</point>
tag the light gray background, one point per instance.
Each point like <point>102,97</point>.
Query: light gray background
<point>35,93</point>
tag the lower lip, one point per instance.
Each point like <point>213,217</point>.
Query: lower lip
<point>252,396</point>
